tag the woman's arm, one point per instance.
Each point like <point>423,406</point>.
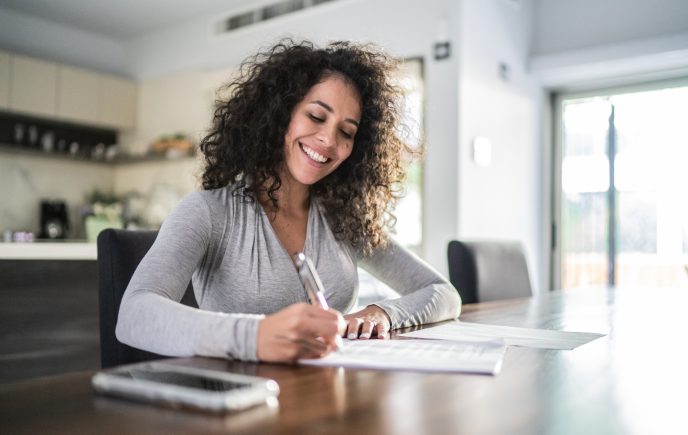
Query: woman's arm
<point>151,316</point>
<point>426,296</point>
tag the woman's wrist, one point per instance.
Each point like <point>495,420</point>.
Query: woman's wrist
<point>372,321</point>
<point>382,310</point>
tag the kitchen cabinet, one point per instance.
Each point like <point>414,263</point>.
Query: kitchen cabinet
<point>48,90</point>
<point>78,95</point>
<point>92,98</point>
<point>118,101</point>
<point>4,80</point>
<point>34,86</point>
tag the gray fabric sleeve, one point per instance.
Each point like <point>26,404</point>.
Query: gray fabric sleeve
<point>151,317</point>
<point>426,296</point>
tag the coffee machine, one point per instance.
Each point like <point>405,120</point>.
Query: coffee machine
<point>54,221</point>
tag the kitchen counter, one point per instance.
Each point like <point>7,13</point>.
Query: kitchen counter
<point>49,250</point>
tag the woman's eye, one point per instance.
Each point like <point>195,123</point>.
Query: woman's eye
<point>315,118</point>
<point>346,134</point>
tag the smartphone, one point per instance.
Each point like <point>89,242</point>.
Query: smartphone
<point>189,387</point>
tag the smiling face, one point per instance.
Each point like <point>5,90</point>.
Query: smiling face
<point>321,132</point>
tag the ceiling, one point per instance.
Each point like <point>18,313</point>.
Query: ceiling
<point>122,19</point>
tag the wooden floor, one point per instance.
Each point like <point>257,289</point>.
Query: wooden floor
<point>48,318</point>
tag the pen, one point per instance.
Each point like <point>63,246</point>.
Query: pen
<point>311,282</point>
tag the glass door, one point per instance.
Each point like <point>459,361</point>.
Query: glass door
<point>623,191</point>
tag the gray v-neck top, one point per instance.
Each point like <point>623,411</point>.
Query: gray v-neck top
<point>240,272</point>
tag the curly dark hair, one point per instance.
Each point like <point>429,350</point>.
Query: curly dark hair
<point>246,143</point>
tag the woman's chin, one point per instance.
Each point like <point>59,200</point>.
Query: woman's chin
<point>309,177</point>
<point>309,181</point>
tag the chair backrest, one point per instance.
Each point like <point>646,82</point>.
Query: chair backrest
<point>488,270</point>
<point>119,254</point>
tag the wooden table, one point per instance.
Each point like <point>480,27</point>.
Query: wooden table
<point>632,381</point>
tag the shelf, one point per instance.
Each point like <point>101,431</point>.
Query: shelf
<point>118,160</point>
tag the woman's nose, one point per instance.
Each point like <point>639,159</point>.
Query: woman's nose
<point>327,137</point>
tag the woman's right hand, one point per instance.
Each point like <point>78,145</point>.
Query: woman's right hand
<point>299,331</point>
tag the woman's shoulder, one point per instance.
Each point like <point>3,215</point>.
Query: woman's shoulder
<point>223,195</point>
<point>222,200</point>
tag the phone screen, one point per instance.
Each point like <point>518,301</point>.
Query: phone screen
<point>187,380</point>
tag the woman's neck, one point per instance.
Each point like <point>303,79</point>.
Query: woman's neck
<point>293,198</point>
<point>290,219</point>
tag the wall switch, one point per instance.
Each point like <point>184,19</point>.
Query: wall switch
<point>482,151</point>
<point>442,50</point>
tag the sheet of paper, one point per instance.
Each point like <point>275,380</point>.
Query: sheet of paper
<point>537,338</point>
<point>474,356</point>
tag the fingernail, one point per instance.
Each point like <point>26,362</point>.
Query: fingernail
<point>364,335</point>
<point>382,335</point>
<point>351,336</point>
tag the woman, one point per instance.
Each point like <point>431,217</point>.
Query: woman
<point>304,156</point>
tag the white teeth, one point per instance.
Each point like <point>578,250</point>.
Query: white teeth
<point>313,155</point>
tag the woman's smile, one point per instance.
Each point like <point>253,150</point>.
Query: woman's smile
<point>313,154</point>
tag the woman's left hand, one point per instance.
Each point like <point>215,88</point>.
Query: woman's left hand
<point>370,322</point>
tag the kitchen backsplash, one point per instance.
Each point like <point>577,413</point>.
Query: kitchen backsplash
<point>26,180</point>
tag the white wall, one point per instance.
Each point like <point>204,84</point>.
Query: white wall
<point>565,25</point>
<point>501,200</point>
<point>36,37</point>
<point>590,44</point>
<point>405,27</point>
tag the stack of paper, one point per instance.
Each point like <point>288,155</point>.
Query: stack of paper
<point>470,356</point>
<point>537,338</point>
<point>452,347</point>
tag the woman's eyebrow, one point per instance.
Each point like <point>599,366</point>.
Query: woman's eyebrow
<point>331,110</point>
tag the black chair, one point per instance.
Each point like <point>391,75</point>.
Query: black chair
<point>119,253</point>
<point>488,270</point>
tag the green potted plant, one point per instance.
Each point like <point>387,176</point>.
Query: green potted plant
<point>103,210</point>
